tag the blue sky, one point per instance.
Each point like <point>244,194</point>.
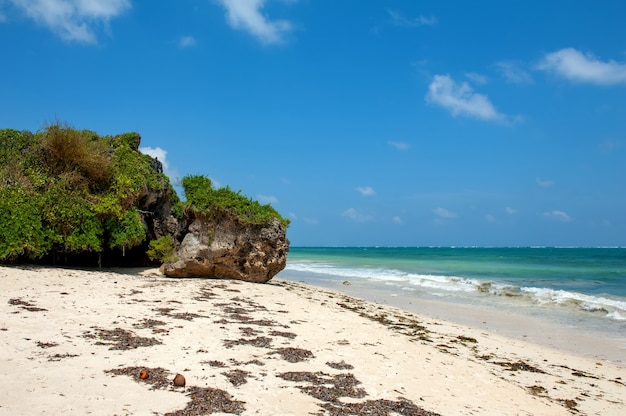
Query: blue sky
<point>365,122</point>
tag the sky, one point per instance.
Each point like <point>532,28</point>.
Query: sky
<point>366,123</point>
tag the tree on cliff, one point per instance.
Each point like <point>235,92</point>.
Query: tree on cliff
<point>65,191</point>
<point>72,193</point>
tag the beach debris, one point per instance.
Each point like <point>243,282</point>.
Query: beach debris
<point>120,339</point>
<point>330,389</point>
<point>341,365</point>
<point>346,283</point>
<point>293,355</point>
<point>47,344</point>
<point>237,377</point>
<point>207,400</point>
<point>380,407</point>
<point>179,380</point>
<point>158,377</point>
<point>519,366</point>
<point>260,342</point>
<point>143,374</point>
<point>26,305</point>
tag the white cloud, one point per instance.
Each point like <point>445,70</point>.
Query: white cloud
<point>490,218</point>
<point>312,221</point>
<point>293,215</point>
<point>354,215</point>
<point>247,15</point>
<point>186,41</point>
<point>544,183</point>
<point>366,190</point>
<point>444,213</point>
<point>558,215</point>
<point>476,78</point>
<point>267,199</point>
<point>576,66</point>
<point>513,74</point>
<point>397,220</point>
<point>399,145</point>
<point>460,99</point>
<point>510,211</point>
<point>73,20</point>
<point>399,19</point>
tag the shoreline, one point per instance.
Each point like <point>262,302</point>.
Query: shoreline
<point>74,342</point>
<point>590,343</point>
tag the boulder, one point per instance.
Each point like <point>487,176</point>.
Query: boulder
<point>226,248</point>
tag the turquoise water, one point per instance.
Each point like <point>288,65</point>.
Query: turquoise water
<point>578,283</point>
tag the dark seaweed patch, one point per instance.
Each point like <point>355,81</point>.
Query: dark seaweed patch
<point>207,400</point>
<point>120,339</point>
<point>293,355</point>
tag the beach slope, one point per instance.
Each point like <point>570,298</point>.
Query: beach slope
<point>78,342</point>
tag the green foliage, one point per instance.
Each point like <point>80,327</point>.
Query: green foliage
<point>162,249</point>
<point>71,190</point>
<point>202,197</point>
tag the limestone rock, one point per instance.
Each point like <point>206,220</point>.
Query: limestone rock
<point>226,248</point>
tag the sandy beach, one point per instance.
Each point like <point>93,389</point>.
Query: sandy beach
<point>110,342</point>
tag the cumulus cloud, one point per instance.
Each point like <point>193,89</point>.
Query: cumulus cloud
<point>399,19</point>
<point>558,215</point>
<point>247,15</point>
<point>366,190</point>
<point>356,216</point>
<point>513,74</point>
<point>460,99</point>
<point>575,66</point>
<point>544,183</point>
<point>186,41</point>
<point>267,199</point>
<point>444,213</point>
<point>399,145</point>
<point>73,20</point>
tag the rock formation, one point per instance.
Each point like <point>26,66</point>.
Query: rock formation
<point>227,248</point>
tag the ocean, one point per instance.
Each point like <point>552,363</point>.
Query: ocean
<point>578,288</point>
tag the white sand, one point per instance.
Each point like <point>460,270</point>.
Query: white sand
<point>55,361</point>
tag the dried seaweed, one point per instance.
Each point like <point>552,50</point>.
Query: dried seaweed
<point>30,307</point>
<point>207,400</point>
<point>148,323</point>
<point>519,366</point>
<point>331,388</point>
<point>59,357</point>
<point>121,339</point>
<point>47,344</point>
<point>379,407</point>
<point>289,335</point>
<point>341,365</point>
<point>187,316</point>
<point>260,342</point>
<point>237,377</point>
<point>294,355</point>
<point>215,363</point>
<point>158,378</point>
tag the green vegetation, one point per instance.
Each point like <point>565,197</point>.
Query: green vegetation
<point>68,191</point>
<point>162,249</point>
<point>216,202</point>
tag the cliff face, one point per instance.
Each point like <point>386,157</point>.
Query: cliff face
<point>75,198</point>
<point>227,248</point>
